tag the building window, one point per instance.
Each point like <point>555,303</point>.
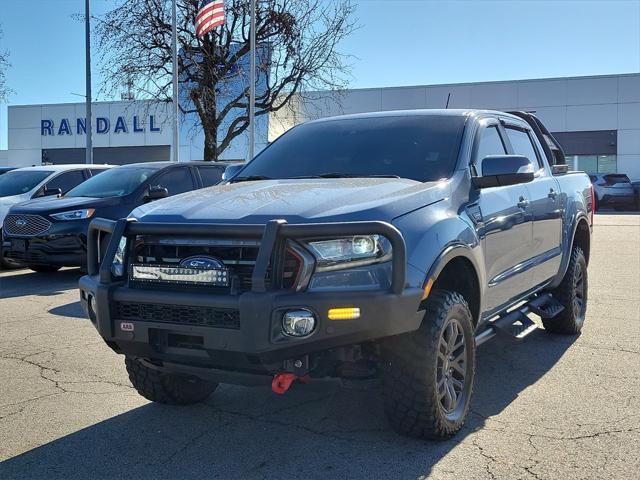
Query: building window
<point>594,163</point>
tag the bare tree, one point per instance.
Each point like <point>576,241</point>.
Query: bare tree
<point>4,65</point>
<point>297,52</point>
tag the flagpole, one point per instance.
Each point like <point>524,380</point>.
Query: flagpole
<point>252,80</point>
<point>175,102</point>
<point>87,121</point>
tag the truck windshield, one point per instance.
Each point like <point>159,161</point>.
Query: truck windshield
<point>16,183</point>
<point>115,182</point>
<point>418,147</point>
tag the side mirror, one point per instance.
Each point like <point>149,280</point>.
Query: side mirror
<point>156,193</point>
<point>503,170</point>
<point>232,170</point>
<point>47,192</point>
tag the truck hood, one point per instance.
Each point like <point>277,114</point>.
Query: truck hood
<point>297,201</point>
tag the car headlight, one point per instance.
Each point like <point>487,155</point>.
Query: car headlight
<point>117,266</point>
<point>348,252</point>
<point>74,214</point>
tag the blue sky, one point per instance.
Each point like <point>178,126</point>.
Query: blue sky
<point>400,42</point>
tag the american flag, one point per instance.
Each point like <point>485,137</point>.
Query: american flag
<point>210,15</point>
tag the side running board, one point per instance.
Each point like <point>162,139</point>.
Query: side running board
<point>516,325</point>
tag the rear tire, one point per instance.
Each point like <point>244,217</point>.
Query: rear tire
<point>572,293</point>
<point>428,374</point>
<point>44,268</point>
<point>167,388</point>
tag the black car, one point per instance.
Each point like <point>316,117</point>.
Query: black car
<point>50,233</point>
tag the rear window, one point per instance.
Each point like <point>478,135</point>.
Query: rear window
<point>614,179</point>
<point>421,147</point>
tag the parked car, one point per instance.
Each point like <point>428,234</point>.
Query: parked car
<point>29,183</point>
<point>51,233</point>
<point>613,190</point>
<point>636,191</point>
<point>383,244</point>
<point>4,170</point>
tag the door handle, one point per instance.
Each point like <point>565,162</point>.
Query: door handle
<point>522,203</point>
<point>552,194</point>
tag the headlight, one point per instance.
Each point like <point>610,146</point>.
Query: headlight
<point>117,266</point>
<point>347,252</point>
<point>74,214</point>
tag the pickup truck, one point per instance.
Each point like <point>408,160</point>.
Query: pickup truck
<point>383,245</point>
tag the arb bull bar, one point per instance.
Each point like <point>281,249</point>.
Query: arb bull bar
<point>256,343</point>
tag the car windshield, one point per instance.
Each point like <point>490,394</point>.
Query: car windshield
<point>614,179</point>
<point>419,147</point>
<point>115,182</point>
<point>18,182</point>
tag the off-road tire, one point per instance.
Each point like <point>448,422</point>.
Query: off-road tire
<point>411,367</point>
<point>44,268</point>
<point>168,388</point>
<point>571,319</point>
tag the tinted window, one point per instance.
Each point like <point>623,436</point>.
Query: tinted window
<point>17,182</point>
<point>421,147</point>
<point>614,179</point>
<point>210,175</point>
<point>490,144</point>
<point>176,180</point>
<point>114,182</point>
<point>521,143</point>
<point>66,181</point>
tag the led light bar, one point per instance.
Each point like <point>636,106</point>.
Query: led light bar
<point>216,277</point>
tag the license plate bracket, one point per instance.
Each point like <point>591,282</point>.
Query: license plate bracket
<point>18,245</point>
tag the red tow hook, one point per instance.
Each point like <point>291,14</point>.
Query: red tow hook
<point>282,382</point>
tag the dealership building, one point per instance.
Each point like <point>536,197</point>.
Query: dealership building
<point>596,119</point>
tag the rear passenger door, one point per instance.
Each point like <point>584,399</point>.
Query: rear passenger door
<point>176,180</point>
<point>546,204</point>
<point>503,225</point>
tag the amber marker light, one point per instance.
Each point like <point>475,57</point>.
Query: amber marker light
<point>348,313</point>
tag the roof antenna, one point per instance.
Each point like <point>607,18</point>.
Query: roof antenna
<point>448,98</point>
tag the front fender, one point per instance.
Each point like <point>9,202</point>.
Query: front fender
<point>434,235</point>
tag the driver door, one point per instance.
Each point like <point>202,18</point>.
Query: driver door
<point>503,224</point>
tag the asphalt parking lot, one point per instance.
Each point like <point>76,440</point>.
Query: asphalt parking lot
<point>552,407</point>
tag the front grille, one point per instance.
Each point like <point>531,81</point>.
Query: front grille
<point>239,257</point>
<point>25,225</point>
<point>179,314</point>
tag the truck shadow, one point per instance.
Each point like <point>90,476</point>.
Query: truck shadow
<point>315,431</point>
<point>25,282</point>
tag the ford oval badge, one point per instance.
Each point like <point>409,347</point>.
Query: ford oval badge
<point>21,223</point>
<point>202,262</point>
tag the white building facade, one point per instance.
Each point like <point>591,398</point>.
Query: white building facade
<point>596,119</point>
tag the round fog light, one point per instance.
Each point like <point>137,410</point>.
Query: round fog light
<point>298,323</point>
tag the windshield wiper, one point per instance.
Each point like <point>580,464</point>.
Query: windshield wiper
<point>250,178</point>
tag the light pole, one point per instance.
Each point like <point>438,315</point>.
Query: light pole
<point>252,80</point>
<point>175,104</point>
<point>88,122</point>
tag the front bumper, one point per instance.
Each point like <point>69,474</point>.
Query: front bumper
<point>63,245</point>
<point>257,346</point>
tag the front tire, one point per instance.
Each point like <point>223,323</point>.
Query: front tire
<point>572,294</point>
<point>167,388</point>
<point>429,373</point>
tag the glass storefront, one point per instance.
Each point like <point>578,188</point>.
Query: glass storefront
<point>594,163</point>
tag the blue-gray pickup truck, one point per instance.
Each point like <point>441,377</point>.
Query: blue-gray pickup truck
<point>377,245</point>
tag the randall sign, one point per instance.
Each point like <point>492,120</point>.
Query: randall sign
<point>103,125</point>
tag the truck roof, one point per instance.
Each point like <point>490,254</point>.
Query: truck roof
<point>410,113</point>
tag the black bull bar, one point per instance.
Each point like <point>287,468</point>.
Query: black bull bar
<point>99,262</point>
